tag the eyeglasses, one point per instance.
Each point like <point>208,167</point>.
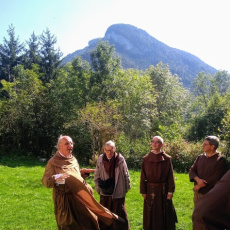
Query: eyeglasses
<point>108,150</point>
<point>156,142</point>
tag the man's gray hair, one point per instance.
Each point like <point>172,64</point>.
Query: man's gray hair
<point>60,139</point>
<point>213,140</point>
<point>110,143</point>
<point>160,138</point>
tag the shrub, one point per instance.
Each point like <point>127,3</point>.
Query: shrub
<point>133,151</point>
<point>183,153</point>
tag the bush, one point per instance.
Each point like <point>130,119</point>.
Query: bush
<point>183,153</point>
<point>133,151</point>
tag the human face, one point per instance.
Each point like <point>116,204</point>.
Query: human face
<point>65,146</point>
<point>156,145</point>
<point>109,151</point>
<point>207,148</point>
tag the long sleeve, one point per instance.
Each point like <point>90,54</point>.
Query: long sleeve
<point>143,186</point>
<point>96,177</point>
<point>193,171</point>
<point>48,179</point>
<point>171,181</point>
<point>127,177</point>
<point>220,170</point>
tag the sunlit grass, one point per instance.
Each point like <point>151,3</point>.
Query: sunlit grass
<point>26,204</point>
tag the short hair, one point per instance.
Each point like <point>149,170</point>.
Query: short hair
<point>110,143</point>
<point>60,139</point>
<point>160,138</point>
<point>213,140</point>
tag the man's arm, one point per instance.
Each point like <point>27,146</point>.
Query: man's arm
<point>50,179</point>
<point>143,183</point>
<point>96,177</point>
<point>127,177</point>
<point>220,169</point>
<point>193,170</point>
<point>171,182</point>
<point>200,183</point>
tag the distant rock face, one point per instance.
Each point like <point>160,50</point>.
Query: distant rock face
<point>94,41</point>
<point>119,39</point>
<point>139,50</point>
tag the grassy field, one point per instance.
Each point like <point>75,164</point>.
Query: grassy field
<point>25,204</point>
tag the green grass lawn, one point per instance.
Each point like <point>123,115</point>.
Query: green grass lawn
<point>26,204</point>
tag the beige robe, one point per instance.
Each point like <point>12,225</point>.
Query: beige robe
<point>75,206</point>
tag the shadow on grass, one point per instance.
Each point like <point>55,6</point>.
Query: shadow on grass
<point>17,161</point>
<point>14,161</point>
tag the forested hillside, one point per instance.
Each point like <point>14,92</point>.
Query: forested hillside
<point>39,100</point>
<point>138,50</point>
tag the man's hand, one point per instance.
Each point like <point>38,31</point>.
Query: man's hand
<point>62,177</point>
<point>144,196</point>
<point>200,184</point>
<point>86,170</point>
<point>196,188</point>
<point>169,196</point>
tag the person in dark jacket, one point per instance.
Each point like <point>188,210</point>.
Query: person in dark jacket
<point>208,168</point>
<point>212,211</point>
<point>112,182</point>
<point>157,187</point>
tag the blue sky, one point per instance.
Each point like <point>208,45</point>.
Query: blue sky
<point>200,27</point>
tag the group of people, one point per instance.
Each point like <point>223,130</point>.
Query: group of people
<point>76,208</point>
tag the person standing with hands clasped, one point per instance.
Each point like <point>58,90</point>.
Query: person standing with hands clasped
<point>207,169</point>
<point>157,187</point>
<point>112,182</point>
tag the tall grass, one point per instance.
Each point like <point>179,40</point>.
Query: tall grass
<point>25,204</point>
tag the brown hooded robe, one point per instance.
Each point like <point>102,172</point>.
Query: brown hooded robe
<point>75,206</point>
<point>212,211</point>
<point>156,181</point>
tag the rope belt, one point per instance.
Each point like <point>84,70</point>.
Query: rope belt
<point>155,184</point>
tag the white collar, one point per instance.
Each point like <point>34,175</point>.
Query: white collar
<point>65,156</point>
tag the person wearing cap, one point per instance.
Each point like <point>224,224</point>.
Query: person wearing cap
<point>157,187</point>
<point>208,168</point>
<point>74,204</point>
<point>112,182</point>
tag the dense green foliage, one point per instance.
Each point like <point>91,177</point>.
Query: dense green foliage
<point>26,204</point>
<point>97,101</point>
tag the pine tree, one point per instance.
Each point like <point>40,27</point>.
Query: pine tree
<point>32,53</point>
<point>11,54</point>
<point>50,57</point>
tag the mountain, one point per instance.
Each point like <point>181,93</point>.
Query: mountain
<point>139,50</point>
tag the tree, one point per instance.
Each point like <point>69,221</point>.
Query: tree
<point>209,121</point>
<point>50,57</point>
<point>221,82</point>
<point>133,96</point>
<point>11,53</point>
<point>20,113</point>
<point>172,98</point>
<point>225,131</point>
<point>105,63</point>
<point>203,87</point>
<point>32,55</point>
<point>101,122</point>
<point>209,104</point>
<point>81,69</point>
